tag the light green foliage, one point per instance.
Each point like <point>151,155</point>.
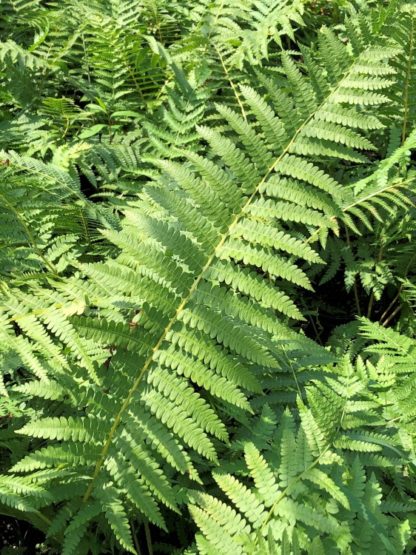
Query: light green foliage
<point>302,489</point>
<point>243,31</point>
<point>179,182</point>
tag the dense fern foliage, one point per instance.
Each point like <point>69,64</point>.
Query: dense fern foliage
<point>207,276</point>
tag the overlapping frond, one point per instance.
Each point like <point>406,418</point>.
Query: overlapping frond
<point>297,492</point>
<point>247,31</point>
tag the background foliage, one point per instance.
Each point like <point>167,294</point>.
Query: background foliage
<point>207,277</point>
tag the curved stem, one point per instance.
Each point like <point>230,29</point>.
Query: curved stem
<point>356,297</point>
<point>234,88</point>
<point>148,538</point>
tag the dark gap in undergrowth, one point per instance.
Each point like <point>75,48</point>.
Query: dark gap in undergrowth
<point>87,188</point>
<point>338,307</point>
<point>18,537</point>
